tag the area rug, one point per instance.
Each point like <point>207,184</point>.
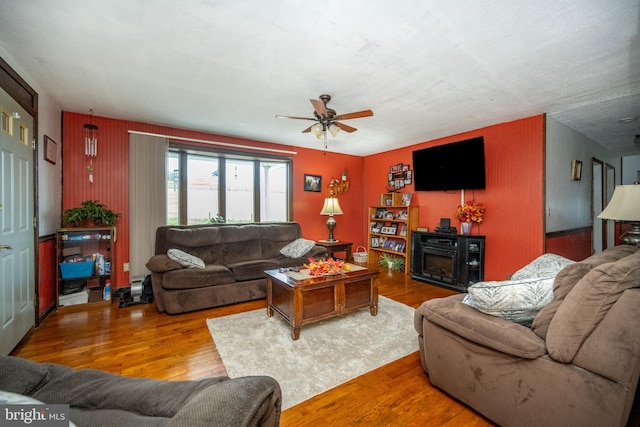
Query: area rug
<point>327,353</point>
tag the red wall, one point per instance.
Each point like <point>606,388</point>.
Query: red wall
<point>47,274</point>
<point>574,245</point>
<point>513,196</point>
<point>111,178</point>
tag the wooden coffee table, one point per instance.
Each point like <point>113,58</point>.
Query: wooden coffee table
<point>302,300</point>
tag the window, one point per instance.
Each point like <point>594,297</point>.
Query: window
<point>24,134</point>
<point>209,187</point>
<point>7,122</point>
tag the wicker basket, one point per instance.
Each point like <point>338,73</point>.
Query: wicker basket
<point>360,256</point>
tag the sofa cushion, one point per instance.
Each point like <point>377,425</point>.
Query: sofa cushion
<point>194,237</point>
<point>32,375</point>
<point>249,270</point>
<point>185,259</point>
<point>275,236</point>
<point>587,303</point>
<point>546,265</point>
<point>515,300</point>
<point>241,243</point>
<point>567,279</point>
<point>297,248</point>
<point>489,331</point>
<point>189,278</point>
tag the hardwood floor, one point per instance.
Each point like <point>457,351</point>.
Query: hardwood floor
<point>138,341</point>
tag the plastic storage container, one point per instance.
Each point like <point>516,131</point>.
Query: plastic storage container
<point>73,270</point>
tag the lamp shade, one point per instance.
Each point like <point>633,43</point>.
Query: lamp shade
<point>624,205</point>
<point>331,207</point>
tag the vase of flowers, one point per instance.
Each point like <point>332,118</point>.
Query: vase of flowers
<point>469,213</point>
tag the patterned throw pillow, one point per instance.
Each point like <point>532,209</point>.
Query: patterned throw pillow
<point>185,259</point>
<point>297,248</point>
<point>546,265</point>
<point>515,300</point>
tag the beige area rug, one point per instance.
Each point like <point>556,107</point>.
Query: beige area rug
<point>327,353</point>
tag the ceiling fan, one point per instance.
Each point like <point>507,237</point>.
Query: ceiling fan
<point>327,119</point>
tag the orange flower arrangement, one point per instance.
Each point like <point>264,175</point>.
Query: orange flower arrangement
<point>472,211</point>
<point>326,266</point>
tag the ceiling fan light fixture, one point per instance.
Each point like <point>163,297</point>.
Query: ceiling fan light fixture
<point>333,130</point>
<point>317,130</point>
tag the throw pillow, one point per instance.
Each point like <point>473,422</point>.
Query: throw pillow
<point>185,259</point>
<point>515,300</point>
<point>546,265</point>
<point>297,248</point>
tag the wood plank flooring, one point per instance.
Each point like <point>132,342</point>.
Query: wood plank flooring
<point>138,341</point>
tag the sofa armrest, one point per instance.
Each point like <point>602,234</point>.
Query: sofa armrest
<point>490,331</point>
<point>316,252</point>
<point>162,263</point>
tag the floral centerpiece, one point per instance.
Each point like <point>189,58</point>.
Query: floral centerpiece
<point>326,266</point>
<point>472,211</point>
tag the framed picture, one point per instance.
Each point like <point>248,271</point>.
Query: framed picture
<point>50,150</point>
<point>312,183</point>
<point>576,170</point>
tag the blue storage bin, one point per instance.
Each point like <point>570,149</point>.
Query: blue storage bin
<point>72,270</point>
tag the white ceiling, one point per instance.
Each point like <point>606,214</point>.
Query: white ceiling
<point>427,69</point>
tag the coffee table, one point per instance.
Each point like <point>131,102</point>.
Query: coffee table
<point>302,300</point>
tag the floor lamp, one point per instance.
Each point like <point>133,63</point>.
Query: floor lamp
<point>331,207</point>
<point>625,206</point>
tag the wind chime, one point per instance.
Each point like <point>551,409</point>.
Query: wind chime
<point>90,143</point>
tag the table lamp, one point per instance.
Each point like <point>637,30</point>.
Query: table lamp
<point>625,206</point>
<point>331,207</point>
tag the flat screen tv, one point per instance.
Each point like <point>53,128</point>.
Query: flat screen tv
<point>454,166</point>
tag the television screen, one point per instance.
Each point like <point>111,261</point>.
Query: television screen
<point>454,166</point>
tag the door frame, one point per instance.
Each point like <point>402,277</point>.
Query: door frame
<point>21,92</point>
<point>599,226</point>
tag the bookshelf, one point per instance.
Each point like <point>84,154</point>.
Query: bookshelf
<point>389,231</point>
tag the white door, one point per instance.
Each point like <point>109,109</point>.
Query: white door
<point>17,283</point>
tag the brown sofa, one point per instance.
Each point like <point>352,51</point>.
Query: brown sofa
<point>578,364</point>
<point>98,398</point>
<point>235,258</point>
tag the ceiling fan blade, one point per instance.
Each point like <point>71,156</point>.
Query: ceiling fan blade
<point>357,114</point>
<point>319,106</point>
<point>308,129</point>
<point>344,127</point>
<point>294,117</point>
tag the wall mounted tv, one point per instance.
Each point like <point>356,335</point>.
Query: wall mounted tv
<point>454,166</point>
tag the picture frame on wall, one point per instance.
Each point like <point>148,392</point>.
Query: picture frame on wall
<point>312,183</point>
<point>50,150</point>
<point>576,170</point>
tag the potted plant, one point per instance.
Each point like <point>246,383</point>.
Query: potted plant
<point>89,214</point>
<point>391,262</point>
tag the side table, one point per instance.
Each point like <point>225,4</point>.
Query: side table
<point>333,247</point>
